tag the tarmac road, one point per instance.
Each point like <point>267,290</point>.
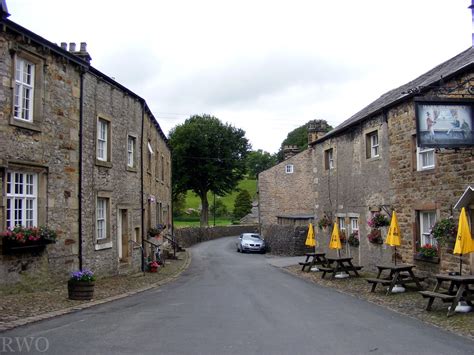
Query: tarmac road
<point>232,303</point>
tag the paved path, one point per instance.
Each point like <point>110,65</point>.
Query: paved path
<point>232,303</point>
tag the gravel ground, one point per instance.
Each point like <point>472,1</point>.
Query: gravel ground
<point>19,306</point>
<point>409,303</point>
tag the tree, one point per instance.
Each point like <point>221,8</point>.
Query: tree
<point>258,161</point>
<point>242,204</point>
<point>298,137</point>
<point>207,156</point>
<point>179,203</point>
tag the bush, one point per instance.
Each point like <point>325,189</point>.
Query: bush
<point>242,204</point>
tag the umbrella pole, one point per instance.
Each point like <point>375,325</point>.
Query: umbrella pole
<point>460,265</point>
<point>395,256</point>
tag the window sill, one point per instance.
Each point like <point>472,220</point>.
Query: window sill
<point>32,126</point>
<point>133,170</point>
<point>105,164</point>
<point>378,157</point>
<point>432,260</point>
<point>101,245</point>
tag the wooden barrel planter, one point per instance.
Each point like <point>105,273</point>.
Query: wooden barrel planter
<point>80,290</point>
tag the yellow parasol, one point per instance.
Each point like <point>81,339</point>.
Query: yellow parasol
<point>310,240</point>
<point>464,243</point>
<point>335,242</point>
<point>394,236</point>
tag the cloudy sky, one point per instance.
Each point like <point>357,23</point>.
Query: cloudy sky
<point>267,67</point>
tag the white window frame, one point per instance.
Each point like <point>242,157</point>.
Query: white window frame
<point>22,199</point>
<point>102,206</point>
<point>341,221</point>
<point>24,90</point>
<point>289,168</point>
<point>425,228</point>
<point>131,147</point>
<point>421,153</point>
<point>102,139</point>
<point>374,144</point>
<point>354,222</point>
<point>330,156</point>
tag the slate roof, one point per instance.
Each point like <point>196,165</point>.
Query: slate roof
<point>451,67</point>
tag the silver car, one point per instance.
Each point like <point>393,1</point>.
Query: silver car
<point>250,242</point>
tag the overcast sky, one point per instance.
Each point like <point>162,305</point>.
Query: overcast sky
<point>267,67</point>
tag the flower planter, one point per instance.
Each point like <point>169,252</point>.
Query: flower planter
<point>428,259</point>
<point>80,290</point>
<point>11,247</point>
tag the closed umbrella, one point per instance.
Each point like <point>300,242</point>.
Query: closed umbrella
<point>310,240</point>
<point>464,243</point>
<point>335,243</point>
<point>394,235</point>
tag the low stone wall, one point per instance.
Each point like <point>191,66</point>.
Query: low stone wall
<point>285,240</point>
<point>189,236</point>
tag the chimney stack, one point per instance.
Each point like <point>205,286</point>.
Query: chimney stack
<point>82,53</point>
<point>3,9</point>
<point>316,129</point>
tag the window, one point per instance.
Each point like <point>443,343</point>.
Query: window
<point>289,168</point>
<point>425,158</point>
<point>22,196</point>
<point>372,143</point>
<point>24,90</point>
<point>103,138</point>
<point>101,225</point>
<point>162,168</point>
<point>354,224</point>
<point>157,166</point>
<point>341,221</point>
<point>427,220</point>
<point>149,157</point>
<point>329,159</point>
<point>131,144</point>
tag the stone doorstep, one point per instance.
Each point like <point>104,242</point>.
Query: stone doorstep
<point>4,326</point>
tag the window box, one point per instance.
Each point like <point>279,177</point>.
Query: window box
<point>428,259</point>
<point>11,247</point>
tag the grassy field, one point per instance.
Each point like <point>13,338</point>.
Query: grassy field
<point>193,201</point>
<point>182,222</point>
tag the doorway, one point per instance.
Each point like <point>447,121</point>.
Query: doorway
<point>123,235</point>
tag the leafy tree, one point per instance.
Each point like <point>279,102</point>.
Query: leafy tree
<point>219,209</point>
<point>179,203</point>
<point>207,156</point>
<point>242,204</point>
<point>298,137</point>
<point>258,161</point>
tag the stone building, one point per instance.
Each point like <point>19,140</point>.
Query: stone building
<point>373,164</point>
<point>74,155</point>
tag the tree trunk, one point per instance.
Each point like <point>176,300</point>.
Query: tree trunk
<point>204,210</point>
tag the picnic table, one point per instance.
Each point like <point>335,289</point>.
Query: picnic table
<point>337,265</point>
<point>459,290</point>
<point>313,259</point>
<point>400,274</point>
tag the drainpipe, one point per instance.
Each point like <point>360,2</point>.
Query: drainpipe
<point>81,119</point>
<point>141,187</point>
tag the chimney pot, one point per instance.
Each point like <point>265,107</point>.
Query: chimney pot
<point>83,47</point>
<point>72,47</point>
<point>64,46</point>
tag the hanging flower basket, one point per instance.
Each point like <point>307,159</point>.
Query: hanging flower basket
<point>375,236</point>
<point>378,220</point>
<point>324,222</point>
<point>354,239</point>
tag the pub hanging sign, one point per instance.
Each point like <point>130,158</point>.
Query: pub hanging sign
<point>444,123</point>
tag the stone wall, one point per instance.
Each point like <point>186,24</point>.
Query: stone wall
<point>49,147</point>
<point>285,240</point>
<point>357,186</point>
<point>187,237</point>
<point>282,193</point>
<point>112,179</point>
<point>436,189</point>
